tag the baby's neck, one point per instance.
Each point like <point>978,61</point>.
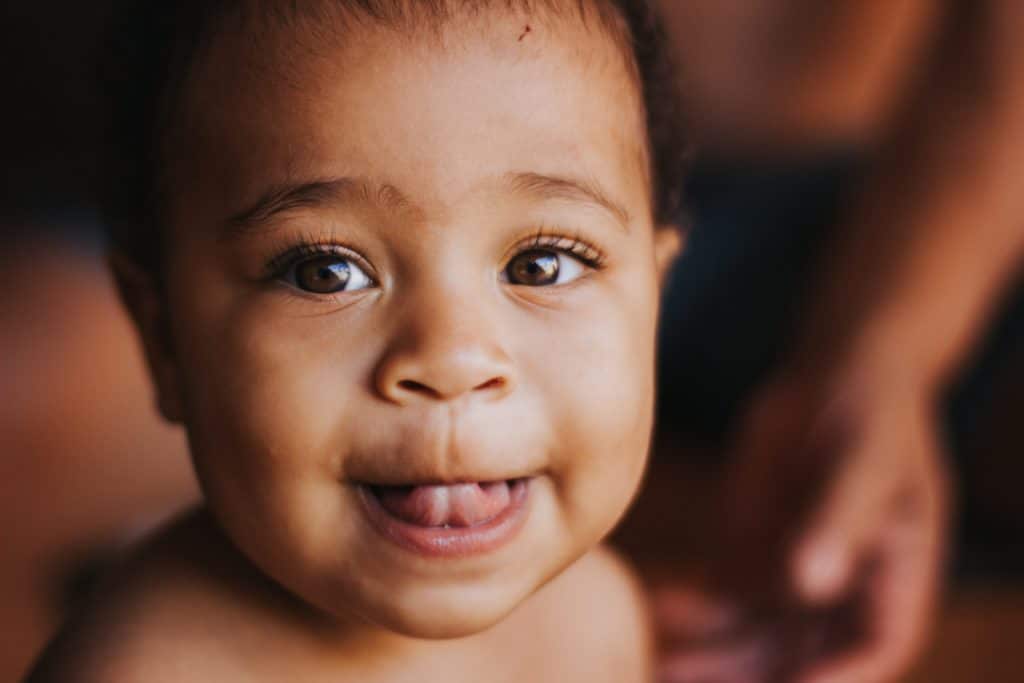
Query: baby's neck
<point>334,639</point>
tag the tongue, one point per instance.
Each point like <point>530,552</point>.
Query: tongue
<point>459,505</point>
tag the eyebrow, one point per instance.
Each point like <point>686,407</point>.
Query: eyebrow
<point>568,189</point>
<point>291,196</point>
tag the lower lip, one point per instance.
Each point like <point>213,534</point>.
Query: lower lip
<point>451,542</point>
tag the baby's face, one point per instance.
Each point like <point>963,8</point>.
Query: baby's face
<point>413,294</point>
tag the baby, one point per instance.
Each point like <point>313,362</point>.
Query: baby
<point>395,265</point>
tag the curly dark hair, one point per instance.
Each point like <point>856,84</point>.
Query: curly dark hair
<point>152,46</point>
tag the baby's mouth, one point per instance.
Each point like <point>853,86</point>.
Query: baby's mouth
<point>455,520</point>
<point>460,505</point>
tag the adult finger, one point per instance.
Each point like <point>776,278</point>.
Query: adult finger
<point>871,475</point>
<point>901,597</point>
<point>743,660</point>
<point>685,613</point>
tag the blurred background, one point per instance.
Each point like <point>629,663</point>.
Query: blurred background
<point>87,466</point>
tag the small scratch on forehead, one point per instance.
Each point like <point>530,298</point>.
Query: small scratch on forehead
<point>526,31</point>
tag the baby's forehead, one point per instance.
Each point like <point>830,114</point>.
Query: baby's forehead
<point>272,34</point>
<point>261,39</point>
<point>322,18</point>
<point>289,99</point>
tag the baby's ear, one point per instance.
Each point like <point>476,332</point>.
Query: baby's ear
<point>141,295</point>
<point>669,241</point>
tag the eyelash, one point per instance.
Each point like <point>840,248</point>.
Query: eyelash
<point>544,239</point>
<point>576,246</point>
<point>312,247</point>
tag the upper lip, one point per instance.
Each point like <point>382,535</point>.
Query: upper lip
<point>437,481</point>
<point>444,447</point>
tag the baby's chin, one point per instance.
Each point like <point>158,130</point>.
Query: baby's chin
<point>450,625</point>
<point>451,612</point>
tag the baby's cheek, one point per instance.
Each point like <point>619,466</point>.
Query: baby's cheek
<point>608,458</point>
<point>268,400</point>
<point>602,410</point>
<point>270,410</point>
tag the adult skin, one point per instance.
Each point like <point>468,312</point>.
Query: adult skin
<point>838,458</point>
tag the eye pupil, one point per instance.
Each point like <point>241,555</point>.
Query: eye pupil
<point>323,275</point>
<point>535,268</point>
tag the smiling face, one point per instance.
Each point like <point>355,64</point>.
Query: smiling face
<point>412,292</point>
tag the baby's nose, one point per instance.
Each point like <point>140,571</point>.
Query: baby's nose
<point>411,377</point>
<point>444,358</point>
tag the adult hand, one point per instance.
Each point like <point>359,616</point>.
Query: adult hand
<point>844,467</point>
<point>837,502</point>
<point>835,517</point>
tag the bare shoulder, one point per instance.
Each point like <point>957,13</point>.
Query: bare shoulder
<point>590,623</point>
<point>165,615</point>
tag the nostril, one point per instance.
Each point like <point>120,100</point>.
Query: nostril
<point>494,383</point>
<point>416,387</point>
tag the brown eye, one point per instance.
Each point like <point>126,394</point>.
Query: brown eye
<point>534,268</point>
<point>329,274</point>
<point>543,267</point>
